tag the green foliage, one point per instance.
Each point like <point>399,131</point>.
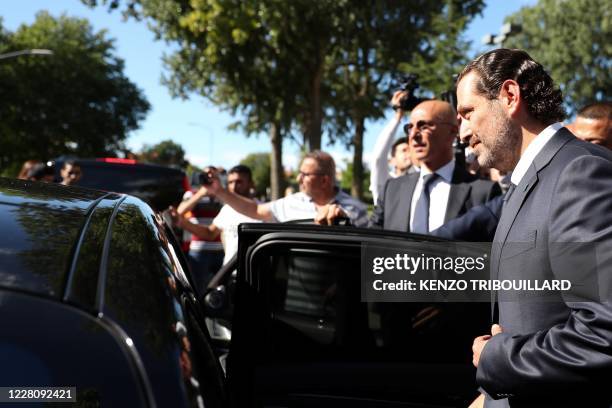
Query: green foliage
<point>346,182</point>
<point>573,41</point>
<point>445,53</point>
<point>259,163</point>
<point>75,102</point>
<point>165,152</point>
<point>305,66</point>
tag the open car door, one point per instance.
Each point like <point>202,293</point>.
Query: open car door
<point>303,337</point>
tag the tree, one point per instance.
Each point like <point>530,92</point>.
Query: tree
<point>301,64</point>
<point>375,44</point>
<point>165,152</point>
<point>259,163</point>
<point>347,181</point>
<point>75,102</point>
<point>444,54</point>
<point>571,39</point>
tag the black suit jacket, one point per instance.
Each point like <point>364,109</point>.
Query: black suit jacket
<point>477,225</point>
<point>393,208</point>
<point>555,351</point>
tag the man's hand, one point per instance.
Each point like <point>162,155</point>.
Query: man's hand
<point>328,213</point>
<point>177,219</point>
<point>395,102</point>
<point>215,185</point>
<point>481,341</point>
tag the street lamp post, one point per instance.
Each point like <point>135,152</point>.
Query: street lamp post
<point>33,51</point>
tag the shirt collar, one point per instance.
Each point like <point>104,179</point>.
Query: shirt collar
<point>446,171</point>
<point>532,151</point>
<point>305,197</point>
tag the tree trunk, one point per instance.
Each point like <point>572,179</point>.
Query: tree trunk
<point>277,176</point>
<point>313,135</point>
<point>357,185</point>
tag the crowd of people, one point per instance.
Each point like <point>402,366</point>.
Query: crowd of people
<point>524,177</point>
<point>527,178</point>
<point>35,170</point>
<point>416,180</point>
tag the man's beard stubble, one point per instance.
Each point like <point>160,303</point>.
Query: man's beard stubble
<point>502,146</point>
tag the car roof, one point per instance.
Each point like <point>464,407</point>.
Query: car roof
<point>41,224</point>
<point>159,186</point>
<point>114,162</point>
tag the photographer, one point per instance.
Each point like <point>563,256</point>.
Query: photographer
<point>386,143</point>
<point>205,250</point>
<point>225,224</point>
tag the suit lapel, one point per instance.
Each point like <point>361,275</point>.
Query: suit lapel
<point>515,202</point>
<point>459,192</point>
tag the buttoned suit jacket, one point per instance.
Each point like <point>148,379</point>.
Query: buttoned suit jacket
<point>554,351</point>
<point>392,211</point>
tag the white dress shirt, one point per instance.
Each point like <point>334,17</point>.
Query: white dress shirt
<point>438,196</point>
<point>532,151</point>
<point>299,206</point>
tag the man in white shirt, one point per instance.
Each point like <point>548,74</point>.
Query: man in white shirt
<point>317,180</point>
<point>400,161</point>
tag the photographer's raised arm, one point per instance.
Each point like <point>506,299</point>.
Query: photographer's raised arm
<point>239,203</point>
<point>188,204</point>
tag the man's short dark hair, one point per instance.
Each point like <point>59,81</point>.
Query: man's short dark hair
<point>72,163</point>
<point>241,169</point>
<point>597,110</point>
<point>398,142</point>
<point>543,100</point>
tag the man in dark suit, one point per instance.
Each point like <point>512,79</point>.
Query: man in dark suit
<point>442,190</point>
<point>593,124</point>
<point>555,351</point>
<point>476,225</point>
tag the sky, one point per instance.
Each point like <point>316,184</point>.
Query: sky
<point>196,124</point>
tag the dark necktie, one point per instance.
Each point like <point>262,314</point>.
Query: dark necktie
<point>421,211</point>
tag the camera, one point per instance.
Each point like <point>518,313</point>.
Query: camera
<point>204,179</point>
<point>408,83</point>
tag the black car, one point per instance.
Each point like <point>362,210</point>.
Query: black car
<point>95,294</point>
<point>159,186</point>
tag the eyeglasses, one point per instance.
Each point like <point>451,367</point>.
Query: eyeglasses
<point>303,174</point>
<point>423,125</point>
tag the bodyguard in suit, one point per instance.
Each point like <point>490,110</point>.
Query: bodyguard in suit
<point>559,352</point>
<point>442,190</point>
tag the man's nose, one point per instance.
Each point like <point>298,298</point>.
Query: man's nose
<point>465,137</point>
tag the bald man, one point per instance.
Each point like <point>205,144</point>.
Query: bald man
<point>594,124</point>
<point>442,190</point>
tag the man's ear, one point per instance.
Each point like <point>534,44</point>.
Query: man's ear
<point>510,96</point>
